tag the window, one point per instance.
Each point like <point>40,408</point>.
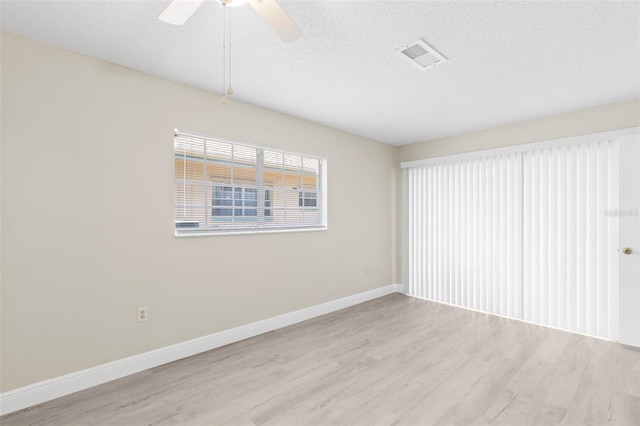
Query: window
<point>307,199</point>
<point>226,187</point>
<point>244,203</point>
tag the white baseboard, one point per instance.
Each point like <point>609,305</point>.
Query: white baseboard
<point>47,390</point>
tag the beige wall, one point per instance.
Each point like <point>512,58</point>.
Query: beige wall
<point>87,217</point>
<point>620,115</point>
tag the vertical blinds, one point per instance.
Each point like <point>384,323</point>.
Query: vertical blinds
<point>569,251</point>
<point>465,233</point>
<point>520,234</point>
<point>223,186</point>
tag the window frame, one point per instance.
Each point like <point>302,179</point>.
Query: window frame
<point>185,228</point>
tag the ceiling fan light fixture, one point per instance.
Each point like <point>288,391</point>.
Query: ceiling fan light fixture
<point>233,3</point>
<point>178,12</point>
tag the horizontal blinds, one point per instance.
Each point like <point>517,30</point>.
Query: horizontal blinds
<point>224,186</point>
<point>521,234</point>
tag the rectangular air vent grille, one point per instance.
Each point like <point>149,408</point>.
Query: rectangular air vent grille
<point>422,55</point>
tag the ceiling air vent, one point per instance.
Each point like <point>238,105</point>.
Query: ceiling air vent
<point>422,55</point>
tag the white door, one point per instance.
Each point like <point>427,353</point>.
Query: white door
<point>629,214</point>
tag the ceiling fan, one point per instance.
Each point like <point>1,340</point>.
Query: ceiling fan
<point>179,11</point>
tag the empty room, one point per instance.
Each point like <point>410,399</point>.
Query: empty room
<point>319,212</point>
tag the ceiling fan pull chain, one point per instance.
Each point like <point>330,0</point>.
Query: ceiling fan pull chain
<point>224,53</point>
<point>229,89</point>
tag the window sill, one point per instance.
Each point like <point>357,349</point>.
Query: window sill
<point>209,233</point>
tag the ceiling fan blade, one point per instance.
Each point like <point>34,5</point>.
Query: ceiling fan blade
<point>178,11</point>
<point>277,19</point>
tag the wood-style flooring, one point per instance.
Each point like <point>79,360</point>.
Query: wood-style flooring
<point>394,360</point>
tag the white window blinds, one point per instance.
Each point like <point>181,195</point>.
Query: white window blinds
<point>570,243</point>
<point>465,233</point>
<point>224,187</point>
<point>521,233</point>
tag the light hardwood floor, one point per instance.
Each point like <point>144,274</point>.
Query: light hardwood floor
<point>394,360</point>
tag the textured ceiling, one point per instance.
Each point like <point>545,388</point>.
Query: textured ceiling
<point>508,60</point>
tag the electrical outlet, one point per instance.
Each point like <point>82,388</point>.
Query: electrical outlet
<point>143,314</point>
<point>367,271</point>
<point>379,268</point>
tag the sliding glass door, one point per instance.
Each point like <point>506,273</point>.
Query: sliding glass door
<point>528,232</point>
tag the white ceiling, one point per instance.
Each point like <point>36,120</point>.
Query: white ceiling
<point>508,60</point>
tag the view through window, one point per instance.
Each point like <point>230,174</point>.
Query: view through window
<point>224,187</point>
